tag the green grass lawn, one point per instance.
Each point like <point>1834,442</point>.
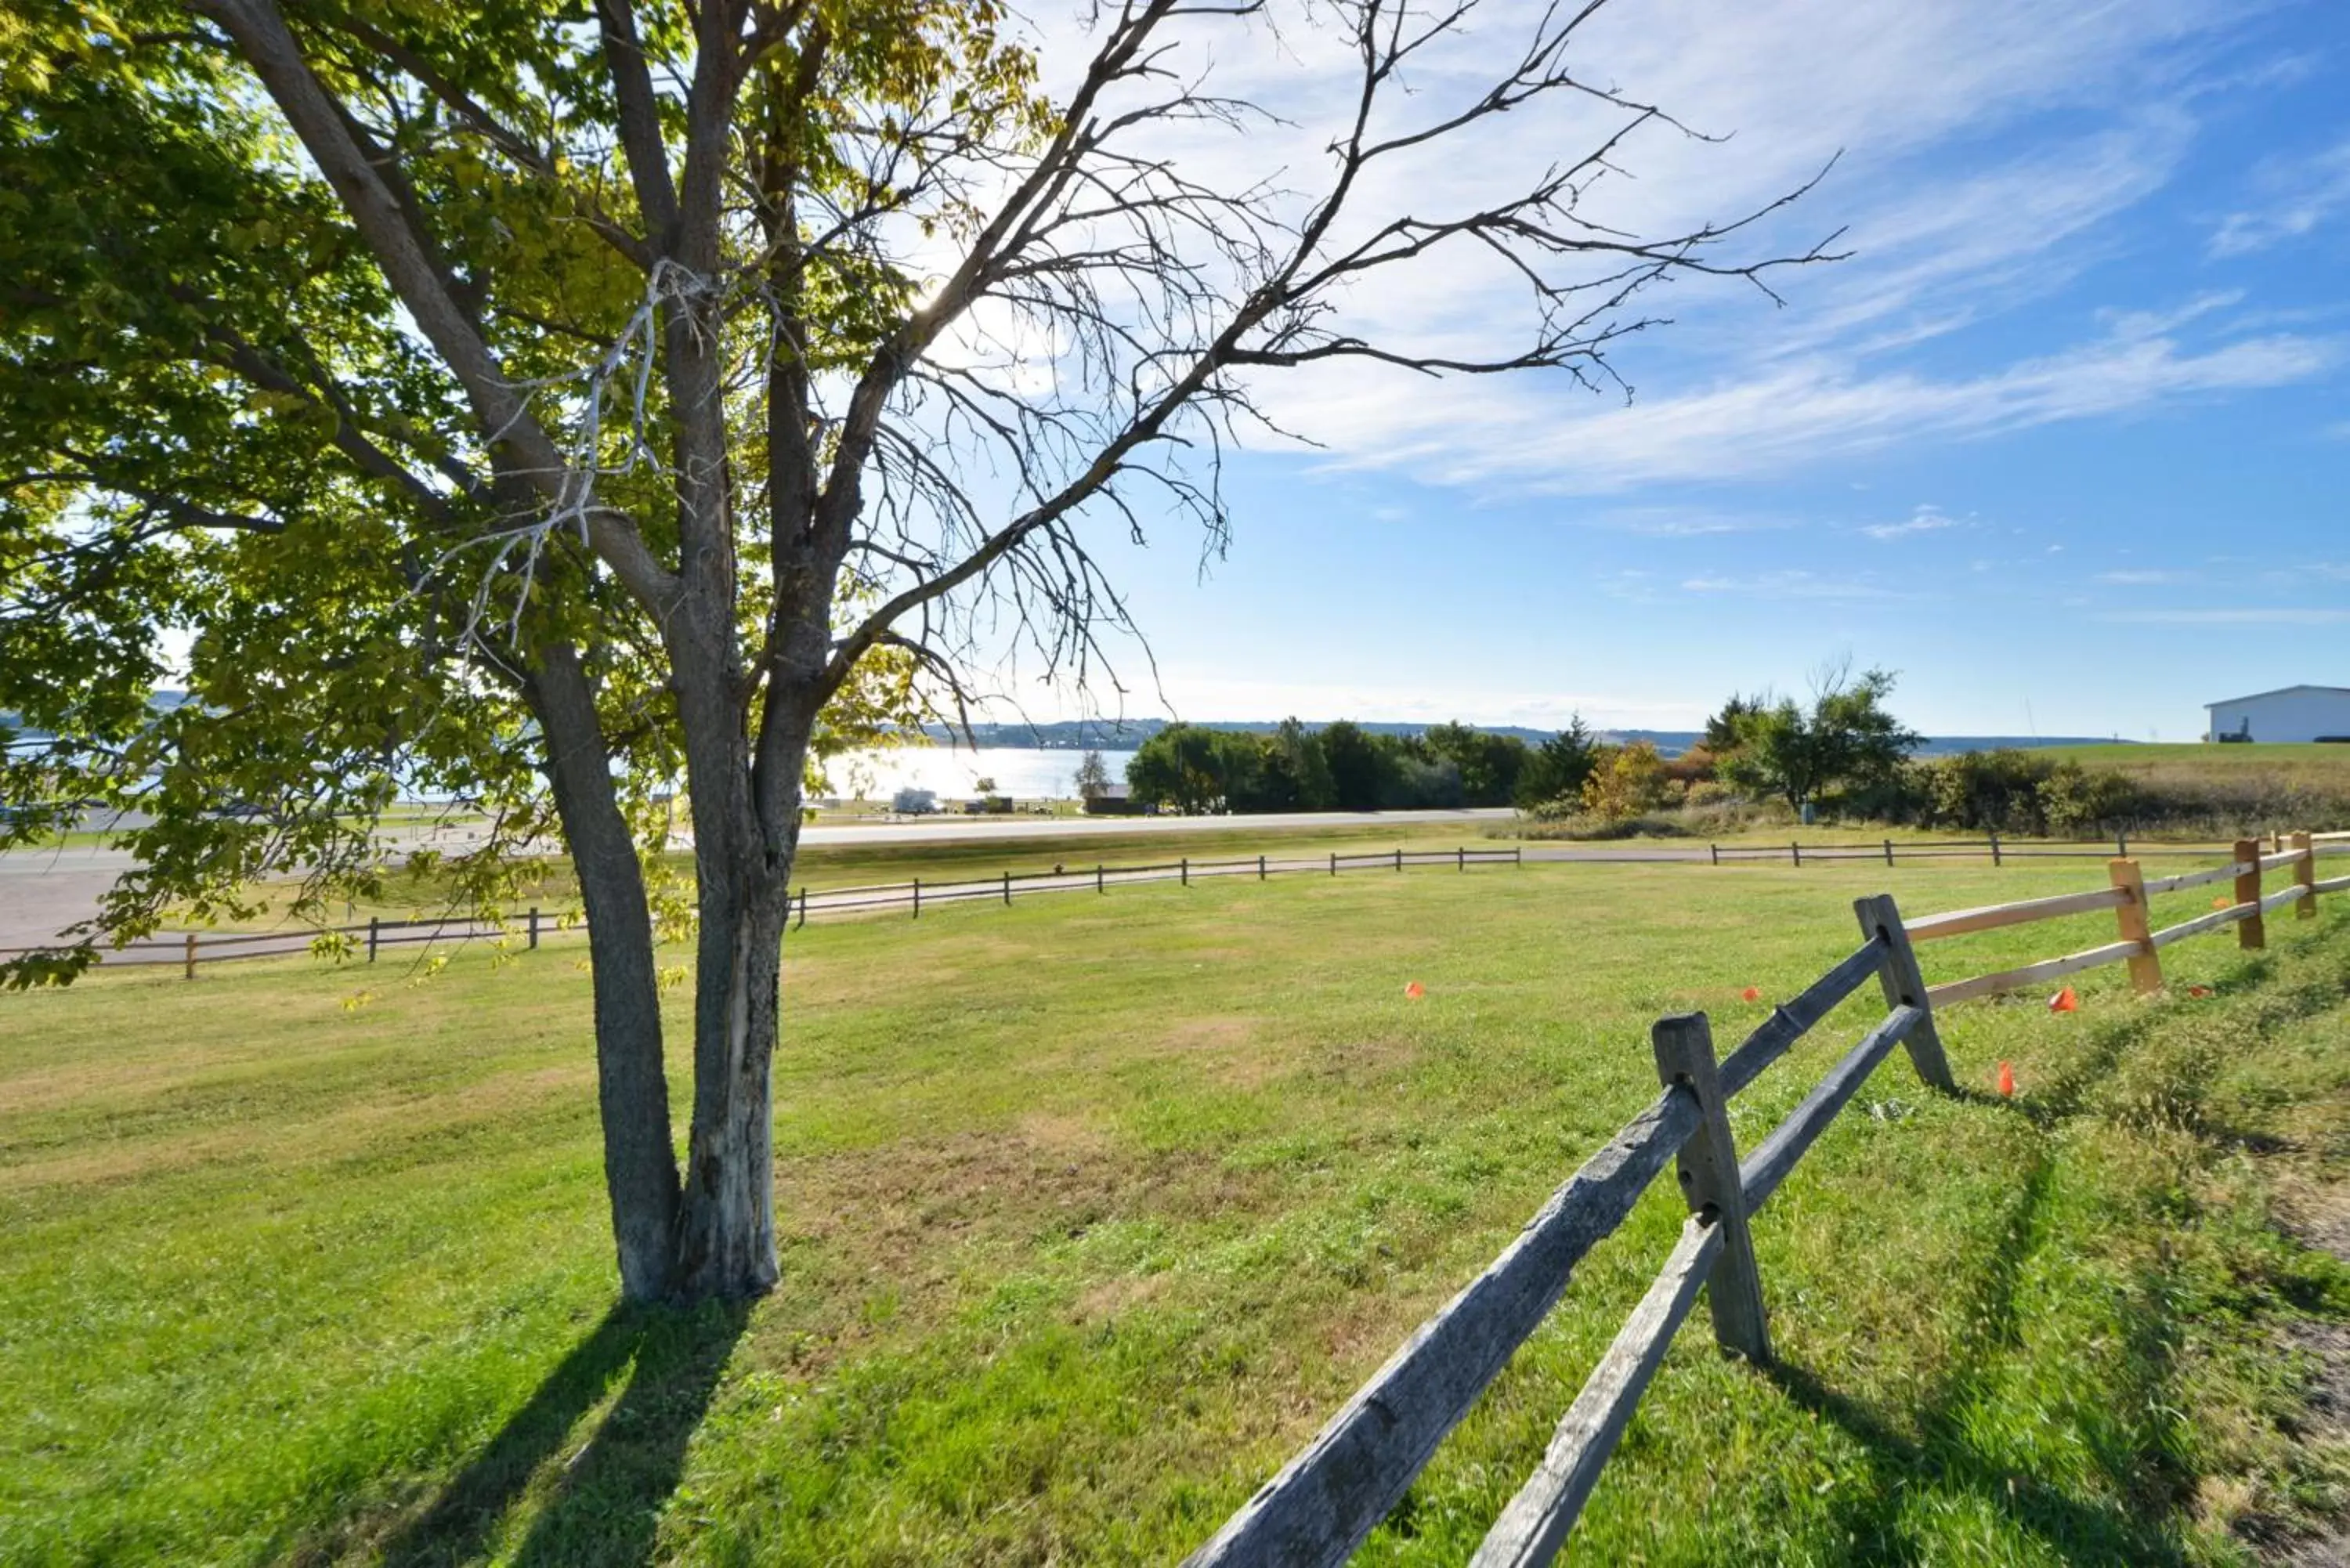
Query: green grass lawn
<point>1093,1209</point>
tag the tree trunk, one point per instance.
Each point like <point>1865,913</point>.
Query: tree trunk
<point>726,1233</point>
<point>632,1089</point>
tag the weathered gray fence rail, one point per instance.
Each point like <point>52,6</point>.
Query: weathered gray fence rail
<point>1322,1504</point>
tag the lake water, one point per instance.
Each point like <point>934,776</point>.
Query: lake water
<point>955,772</point>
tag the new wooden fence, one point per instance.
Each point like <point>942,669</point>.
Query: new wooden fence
<point>191,947</point>
<point>1322,1504</point>
<point>2129,894</point>
<point>1892,851</point>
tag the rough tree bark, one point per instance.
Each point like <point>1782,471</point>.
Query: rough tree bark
<point>631,1087</point>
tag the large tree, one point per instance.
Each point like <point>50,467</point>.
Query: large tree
<point>549,403</point>
<point>1847,739</point>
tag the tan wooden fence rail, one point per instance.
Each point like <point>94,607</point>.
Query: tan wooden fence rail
<point>1892,851</point>
<point>191,948</point>
<point>2129,894</point>
<point>1322,1504</point>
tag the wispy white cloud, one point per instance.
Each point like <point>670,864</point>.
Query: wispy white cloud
<point>1791,584</point>
<point>1782,416</point>
<point>1924,520</point>
<point>1685,523</point>
<point>1950,225</point>
<point>2144,578</point>
<point>2271,615</point>
<point>2297,198</point>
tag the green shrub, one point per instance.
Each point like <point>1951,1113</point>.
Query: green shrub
<point>1629,782</point>
<point>1986,792</point>
<point>2073,800</point>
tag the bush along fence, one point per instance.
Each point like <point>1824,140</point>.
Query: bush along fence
<point>1327,1498</point>
<point>911,897</point>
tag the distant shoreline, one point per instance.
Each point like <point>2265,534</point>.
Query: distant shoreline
<point>1126,735</point>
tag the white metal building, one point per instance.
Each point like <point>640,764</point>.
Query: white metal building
<point>2288,713</point>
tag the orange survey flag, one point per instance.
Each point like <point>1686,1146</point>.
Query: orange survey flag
<point>1752,993</point>
<point>2006,1079</point>
<point>1415,990</point>
<point>2064,1002</point>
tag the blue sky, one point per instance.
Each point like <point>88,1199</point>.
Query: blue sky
<point>2067,442</point>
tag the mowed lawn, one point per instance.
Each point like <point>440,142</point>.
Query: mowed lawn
<point>1094,1207</point>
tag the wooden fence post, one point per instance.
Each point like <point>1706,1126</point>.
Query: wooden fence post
<point>1708,1173</point>
<point>1716,850</point>
<point>375,928</point>
<point>803,907</point>
<point>1462,855</point>
<point>1007,887</point>
<point>191,956</point>
<point>918,897</point>
<point>2306,875</point>
<point>1187,870</point>
<point>1994,846</point>
<point>1399,857</point>
<point>1905,987</point>
<point>534,928</point>
<point>1101,878</point>
<point>2121,842</point>
<point>1888,851</point>
<point>2146,964</point>
<point>2251,931</point>
<point>1797,851</point>
<point>1260,867</point>
<point>1334,863</point>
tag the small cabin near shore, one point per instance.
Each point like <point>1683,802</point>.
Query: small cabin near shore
<point>1113,800</point>
<point>2287,713</point>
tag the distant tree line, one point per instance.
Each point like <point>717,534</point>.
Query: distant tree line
<point>1841,753</point>
<point>1343,766</point>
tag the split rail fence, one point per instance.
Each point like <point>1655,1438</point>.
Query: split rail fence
<point>1328,1497</point>
<point>912,897</point>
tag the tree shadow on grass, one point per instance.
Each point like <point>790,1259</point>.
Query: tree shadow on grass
<point>1946,1455</point>
<point>1870,1527</point>
<point>605,1504</point>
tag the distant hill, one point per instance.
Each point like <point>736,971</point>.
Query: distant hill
<point>1125,736</point>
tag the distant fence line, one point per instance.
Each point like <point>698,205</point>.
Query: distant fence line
<point>1335,1491</point>
<point>193,947</point>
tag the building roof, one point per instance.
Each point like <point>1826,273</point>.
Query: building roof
<point>2279,691</point>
